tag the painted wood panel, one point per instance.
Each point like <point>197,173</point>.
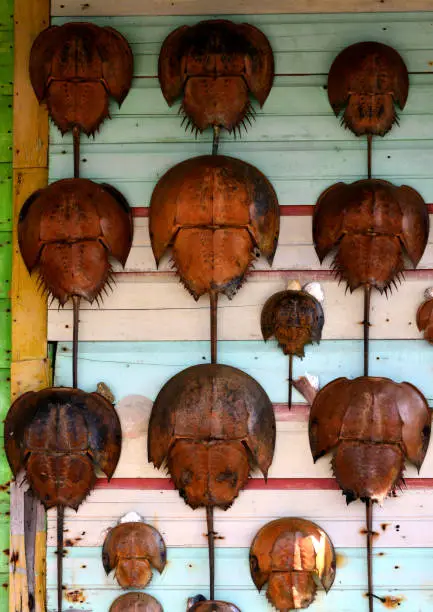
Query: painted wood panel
<point>141,309</point>
<point>149,328</point>
<point>186,574</point>
<point>143,367</point>
<point>401,522</point>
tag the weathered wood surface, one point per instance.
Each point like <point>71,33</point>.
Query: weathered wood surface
<point>405,518</point>
<point>149,328</point>
<point>29,369</point>
<point>206,7</point>
<point>186,573</point>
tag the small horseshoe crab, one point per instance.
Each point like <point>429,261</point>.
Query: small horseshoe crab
<point>293,556</point>
<point>132,549</point>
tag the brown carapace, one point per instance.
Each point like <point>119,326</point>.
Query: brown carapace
<point>218,214</point>
<point>132,549</point>
<point>371,426</point>
<point>67,232</point>
<point>203,605</point>
<point>365,82</point>
<point>215,65</point>
<point>59,436</point>
<point>424,319</point>
<point>136,602</point>
<point>370,224</point>
<point>295,318</point>
<point>293,556</point>
<point>75,68</point>
<point>211,425</point>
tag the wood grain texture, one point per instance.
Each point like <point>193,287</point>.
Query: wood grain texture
<point>29,366</point>
<point>205,7</point>
<point>406,517</point>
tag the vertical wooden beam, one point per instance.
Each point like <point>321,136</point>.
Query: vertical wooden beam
<point>29,368</point>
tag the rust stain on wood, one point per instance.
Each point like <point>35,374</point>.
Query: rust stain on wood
<point>341,559</point>
<point>76,596</point>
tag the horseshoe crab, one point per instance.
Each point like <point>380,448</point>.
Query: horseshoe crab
<point>370,224</point>
<point>132,549</point>
<point>67,232</point>
<point>371,426</point>
<point>217,213</point>
<point>215,65</point>
<point>136,602</point>
<point>295,317</point>
<point>74,69</point>
<point>292,555</point>
<point>211,425</point>
<point>365,82</point>
<point>200,604</point>
<point>424,316</point>
<point>59,436</point>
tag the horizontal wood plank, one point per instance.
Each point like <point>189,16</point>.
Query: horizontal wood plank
<point>401,522</point>
<point>148,309</point>
<point>143,367</point>
<point>204,7</point>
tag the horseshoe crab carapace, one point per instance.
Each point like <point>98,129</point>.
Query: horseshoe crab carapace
<point>59,436</point>
<point>215,66</point>
<point>217,214</point>
<point>74,69</point>
<point>371,426</point>
<point>67,232</point>
<point>293,556</point>
<point>211,425</point>
<point>136,602</point>
<point>295,318</point>
<point>132,549</point>
<point>370,224</point>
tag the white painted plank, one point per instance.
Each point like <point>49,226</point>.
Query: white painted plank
<point>205,7</point>
<point>292,458</point>
<point>406,519</point>
<point>141,309</point>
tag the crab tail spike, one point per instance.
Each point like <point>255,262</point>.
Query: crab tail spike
<point>211,547</point>
<point>369,149</point>
<point>290,380</point>
<point>76,139</point>
<point>213,325</point>
<point>216,139</point>
<point>60,521</point>
<point>366,323</point>
<point>369,515</point>
<point>76,308</point>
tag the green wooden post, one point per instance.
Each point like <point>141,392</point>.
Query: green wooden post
<point>6,84</point>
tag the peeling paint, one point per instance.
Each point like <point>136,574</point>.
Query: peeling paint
<point>76,596</point>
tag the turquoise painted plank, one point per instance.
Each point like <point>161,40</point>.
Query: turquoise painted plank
<point>336,600</point>
<point>266,128</point>
<point>394,568</point>
<point>143,367</point>
<point>289,96</point>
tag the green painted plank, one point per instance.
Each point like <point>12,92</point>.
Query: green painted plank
<point>142,129</point>
<point>5,266</point>
<point>6,14</point>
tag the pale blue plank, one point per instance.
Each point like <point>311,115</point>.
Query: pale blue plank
<point>187,567</point>
<point>143,367</point>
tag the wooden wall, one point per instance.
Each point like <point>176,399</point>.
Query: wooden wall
<point>6,77</point>
<point>150,328</point>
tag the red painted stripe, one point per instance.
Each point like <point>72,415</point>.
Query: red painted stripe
<point>302,275</point>
<point>290,210</point>
<point>254,484</point>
